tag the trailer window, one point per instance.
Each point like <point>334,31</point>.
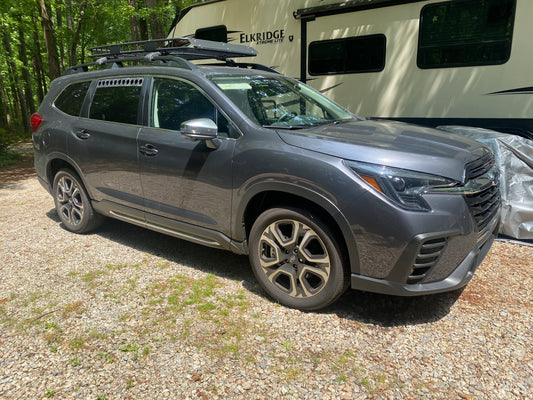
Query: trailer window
<point>466,33</point>
<point>347,55</point>
<point>217,33</point>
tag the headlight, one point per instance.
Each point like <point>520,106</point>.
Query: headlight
<point>403,187</point>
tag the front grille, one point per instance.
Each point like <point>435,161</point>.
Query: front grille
<point>484,206</point>
<point>479,167</point>
<point>428,255</point>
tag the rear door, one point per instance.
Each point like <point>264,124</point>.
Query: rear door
<point>104,146</point>
<point>186,184</point>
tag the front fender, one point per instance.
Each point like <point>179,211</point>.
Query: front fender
<point>305,193</point>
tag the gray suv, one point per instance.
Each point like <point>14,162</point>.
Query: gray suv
<point>234,156</point>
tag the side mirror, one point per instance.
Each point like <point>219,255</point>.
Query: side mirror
<point>199,129</point>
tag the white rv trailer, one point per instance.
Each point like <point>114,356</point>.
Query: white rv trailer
<point>435,62</point>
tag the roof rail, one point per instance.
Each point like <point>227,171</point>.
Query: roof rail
<point>171,52</point>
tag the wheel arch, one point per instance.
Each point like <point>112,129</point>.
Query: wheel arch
<point>58,161</point>
<point>286,195</point>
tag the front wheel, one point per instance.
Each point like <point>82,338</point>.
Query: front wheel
<point>72,203</point>
<point>296,259</point>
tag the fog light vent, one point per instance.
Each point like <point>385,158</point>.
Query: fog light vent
<point>429,253</point>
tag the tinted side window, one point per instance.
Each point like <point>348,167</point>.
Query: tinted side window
<point>465,33</point>
<point>117,100</point>
<point>71,99</point>
<point>348,55</point>
<point>217,33</point>
<point>174,102</point>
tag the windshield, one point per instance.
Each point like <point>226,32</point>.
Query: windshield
<point>278,102</point>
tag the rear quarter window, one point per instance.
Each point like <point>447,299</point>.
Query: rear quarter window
<point>117,100</point>
<point>71,98</point>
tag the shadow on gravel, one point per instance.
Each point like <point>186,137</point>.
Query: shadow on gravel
<point>389,311</point>
<point>206,259</point>
<point>354,305</point>
<point>52,214</point>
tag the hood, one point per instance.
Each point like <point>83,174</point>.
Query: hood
<point>393,144</point>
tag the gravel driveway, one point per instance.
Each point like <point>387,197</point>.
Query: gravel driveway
<point>126,313</point>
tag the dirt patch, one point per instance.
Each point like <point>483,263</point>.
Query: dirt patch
<point>21,169</point>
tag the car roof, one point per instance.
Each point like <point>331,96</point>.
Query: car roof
<point>213,70</point>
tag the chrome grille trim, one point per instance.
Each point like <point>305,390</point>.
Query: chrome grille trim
<point>483,203</point>
<point>479,167</point>
<point>484,206</point>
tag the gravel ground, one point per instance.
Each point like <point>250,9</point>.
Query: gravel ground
<point>126,313</point>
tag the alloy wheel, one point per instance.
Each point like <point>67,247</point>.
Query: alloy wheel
<point>294,258</point>
<point>70,200</point>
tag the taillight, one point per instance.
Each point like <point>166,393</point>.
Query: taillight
<point>36,121</point>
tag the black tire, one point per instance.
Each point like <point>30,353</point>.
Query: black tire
<point>296,259</point>
<point>72,203</point>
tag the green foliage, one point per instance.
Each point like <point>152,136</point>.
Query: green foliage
<point>75,26</point>
<point>7,157</point>
<point>6,139</point>
<point>129,348</point>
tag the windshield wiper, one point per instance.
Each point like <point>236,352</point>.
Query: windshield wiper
<point>339,121</point>
<point>287,128</point>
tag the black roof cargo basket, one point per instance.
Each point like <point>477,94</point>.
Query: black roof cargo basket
<point>187,48</point>
<point>177,52</point>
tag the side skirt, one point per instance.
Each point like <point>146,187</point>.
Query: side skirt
<point>180,230</point>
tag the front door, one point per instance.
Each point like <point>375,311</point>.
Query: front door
<point>185,183</point>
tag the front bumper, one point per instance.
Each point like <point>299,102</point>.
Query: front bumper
<point>458,278</point>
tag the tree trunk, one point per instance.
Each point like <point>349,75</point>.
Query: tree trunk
<point>134,24</point>
<point>73,57</point>
<point>4,109</point>
<point>37,62</point>
<point>23,57</point>
<point>143,29</point>
<point>50,39</point>
<point>156,25</point>
<point>61,44</point>
<point>16,87</point>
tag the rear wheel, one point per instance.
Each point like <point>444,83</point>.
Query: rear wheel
<point>72,203</point>
<point>296,259</point>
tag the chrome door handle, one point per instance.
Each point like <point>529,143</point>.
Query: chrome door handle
<point>83,134</point>
<point>148,150</point>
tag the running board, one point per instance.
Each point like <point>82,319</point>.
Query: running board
<point>167,231</point>
<point>171,227</point>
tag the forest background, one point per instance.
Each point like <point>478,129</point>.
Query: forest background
<point>42,38</point>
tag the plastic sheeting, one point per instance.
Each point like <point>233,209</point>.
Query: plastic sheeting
<point>514,158</point>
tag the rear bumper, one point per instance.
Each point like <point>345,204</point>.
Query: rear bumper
<point>458,278</point>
